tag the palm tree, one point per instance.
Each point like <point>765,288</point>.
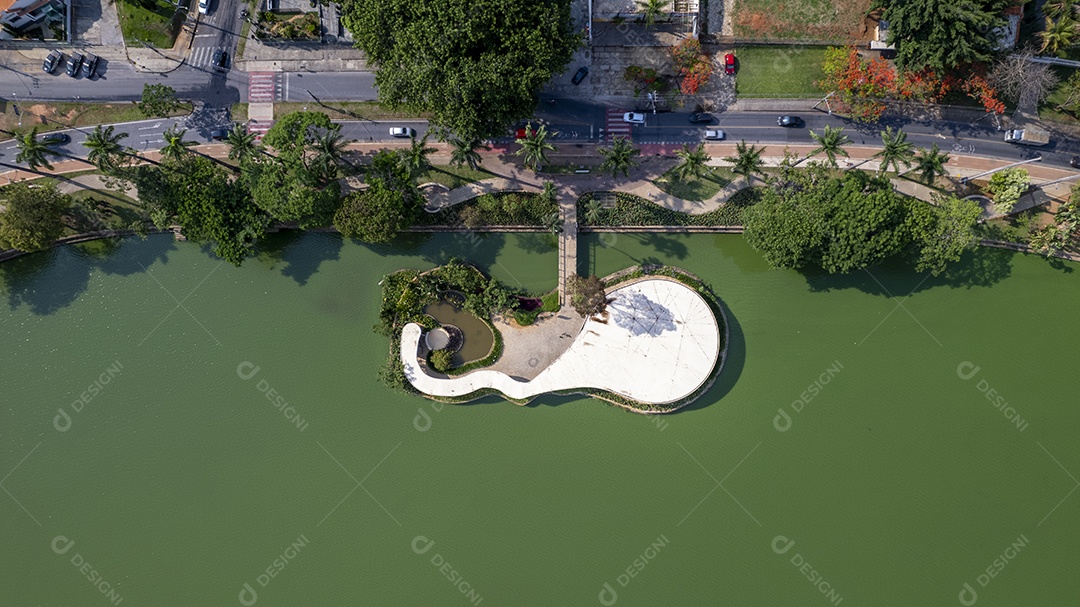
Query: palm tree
<point>534,146</point>
<point>175,146</point>
<point>549,194</point>
<point>693,161</point>
<point>242,144</point>
<point>464,152</point>
<point>831,142</point>
<point>1058,34</point>
<point>416,156</point>
<point>593,209</point>
<point>747,160</point>
<point>896,150</point>
<point>329,150</point>
<point>32,150</point>
<point>553,222</point>
<point>930,164</point>
<point>105,148</point>
<point>651,9</point>
<point>1058,8</point>
<point>620,157</point>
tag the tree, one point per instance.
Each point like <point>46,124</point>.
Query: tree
<point>1007,186</point>
<point>942,34</point>
<point>747,160</point>
<point>1071,101</point>
<point>32,217</point>
<point>475,66</point>
<point>416,157</point>
<point>1058,8</point>
<point>176,147</point>
<point>442,360</point>
<point>620,157</point>
<point>693,162</point>
<point>651,9</point>
<point>105,149</point>
<point>158,100</point>
<point>553,222</point>
<point>587,295</point>
<point>896,150</point>
<point>930,163</point>
<point>32,150</point>
<point>1024,81</point>
<point>593,212</point>
<point>831,142</point>
<point>329,149</point>
<point>1058,35</point>
<point>534,146</point>
<point>373,215</point>
<point>242,144</point>
<point>942,232</point>
<point>465,152</point>
<point>549,194</point>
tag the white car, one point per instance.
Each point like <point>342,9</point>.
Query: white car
<point>402,131</point>
<point>714,134</point>
<point>204,7</point>
<point>633,118</point>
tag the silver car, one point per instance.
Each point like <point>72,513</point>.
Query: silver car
<point>402,132</point>
<point>714,134</point>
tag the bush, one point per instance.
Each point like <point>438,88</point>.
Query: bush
<point>441,360</point>
<point>631,210</point>
<point>503,208</point>
<point>1007,187</point>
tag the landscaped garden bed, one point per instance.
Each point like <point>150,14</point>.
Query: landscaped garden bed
<point>631,210</point>
<point>499,209</point>
<point>287,26</point>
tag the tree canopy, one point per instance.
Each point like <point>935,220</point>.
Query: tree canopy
<point>475,65</point>
<point>942,34</point>
<point>32,217</point>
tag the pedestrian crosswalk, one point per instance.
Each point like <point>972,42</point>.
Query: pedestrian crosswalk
<point>259,128</point>
<point>615,126</point>
<point>201,56</point>
<point>264,87</point>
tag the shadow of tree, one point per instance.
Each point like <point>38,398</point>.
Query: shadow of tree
<point>640,315</point>
<point>983,267</point>
<point>301,252</point>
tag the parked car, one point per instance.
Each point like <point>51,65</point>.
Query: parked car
<point>634,118</point>
<point>219,134</point>
<point>89,66</point>
<point>204,7</point>
<point>74,63</point>
<point>729,63</point>
<point>580,75</point>
<point>53,61</point>
<point>55,138</point>
<point>522,133</point>
<point>701,118</point>
<point>220,59</point>
<point>402,131</point>
<point>714,134</point>
<point>789,121</point>
<point>1075,162</point>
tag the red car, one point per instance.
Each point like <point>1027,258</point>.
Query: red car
<point>729,63</point>
<point>521,133</point>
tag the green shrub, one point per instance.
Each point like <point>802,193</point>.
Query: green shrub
<point>1007,187</point>
<point>524,318</point>
<point>550,302</point>
<point>631,210</point>
<point>441,360</point>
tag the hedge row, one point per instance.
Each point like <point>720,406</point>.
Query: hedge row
<point>632,210</point>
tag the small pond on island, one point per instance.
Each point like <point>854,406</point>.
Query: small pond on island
<point>478,338</point>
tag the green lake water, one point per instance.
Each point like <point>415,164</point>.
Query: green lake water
<point>194,428</point>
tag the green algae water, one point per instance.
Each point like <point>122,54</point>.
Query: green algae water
<point>180,432</point>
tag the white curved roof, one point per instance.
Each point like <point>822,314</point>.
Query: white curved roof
<point>659,344</point>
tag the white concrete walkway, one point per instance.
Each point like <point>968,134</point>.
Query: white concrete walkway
<point>659,343</point>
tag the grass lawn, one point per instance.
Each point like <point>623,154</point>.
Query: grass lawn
<point>697,190</point>
<point>1046,109</point>
<point>54,116</point>
<point>152,21</point>
<point>453,176</point>
<point>779,71</point>
<point>801,19</point>
<point>344,110</point>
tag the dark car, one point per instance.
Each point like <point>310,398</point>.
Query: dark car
<point>1075,162</point>
<point>701,118</point>
<point>790,121</point>
<point>729,63</point>
<point>580,75</point>
<point>55,138</point>
<point>219,135</point>
<point>74,63</point>
<point>220,60</point>
<point>53,61</point>
<point>89,66</point>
